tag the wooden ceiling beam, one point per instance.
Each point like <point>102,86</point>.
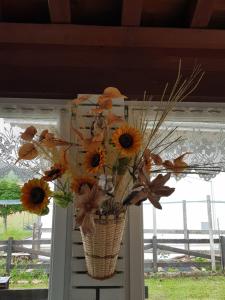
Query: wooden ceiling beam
<point>60,11</point>
<point>75,35</point>
<point>131,12</point>
<point>201,14</point>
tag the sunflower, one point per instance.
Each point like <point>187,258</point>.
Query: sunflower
<point>80,181</point>
<point>56,171</point>
<point>94,160</point>
<point>127,140</point>
<point>35,196</point>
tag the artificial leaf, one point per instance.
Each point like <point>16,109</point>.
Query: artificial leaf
<point>78,133</point>
<point>80,99</point>
<point>43,134</point>
<point>113,92</point>
<point>178,165</point>
<point>112,119</point>
<point>27,151</point>
<point>98,137</point>
<point>50,141</point>
<point>29,133</point>
<point>156,159</point>
<point>168,164</point>
<point>104,103</point>
<point>86,204</point>
<point>152,190</point>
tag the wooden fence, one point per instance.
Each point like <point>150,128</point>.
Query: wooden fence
<point>11,246</point>
<point>155,244</point>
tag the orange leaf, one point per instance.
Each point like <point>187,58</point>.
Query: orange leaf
<point>168,164</point>
<point>104,103</point>
<point>113,92</point>
<point>78,133</point>
<point>91,145</point>
<point>80,99</point>
<point>27,151</point>
<point>98,137</point>
<point>156,159</point>
<point>111,119</point>
<point>29,133</point>
<point>43,134</point>
<point>179,164</point>
<point>50,141</point>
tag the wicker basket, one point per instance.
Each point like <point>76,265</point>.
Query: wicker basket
<point>102,248</point>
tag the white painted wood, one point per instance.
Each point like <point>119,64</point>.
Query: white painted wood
<point>85,280</point>
<point>154,221</point>
<point>111,294</point>
<point>83,294</point>
<point>80,265</point>
<point>136,253</point>
<point>61,239</point>
<point>186,235</point>
<point>135,244</point>
<point>212,248</point>
<point>82,120</point>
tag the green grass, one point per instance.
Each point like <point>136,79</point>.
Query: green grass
<point>187,288</point>
<point>25,278</point>
<point>16,226</point>
<point>16,285</point>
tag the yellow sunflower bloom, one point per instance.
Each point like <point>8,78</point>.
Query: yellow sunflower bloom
<point>80,181</point>
<point>127,140</point>
<point>35,196</point>
<point>94,161</point>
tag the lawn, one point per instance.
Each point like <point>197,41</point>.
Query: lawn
<point>187,288</point>
<point>17,224</point>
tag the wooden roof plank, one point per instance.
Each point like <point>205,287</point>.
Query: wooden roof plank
<point>131,12</point>
<point>79,35</point>
<point>201,14</point>
<point>60,11</point>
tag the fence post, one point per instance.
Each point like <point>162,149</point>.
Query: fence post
<point>33,256</point>
<point>212,250</point>
<point>154,252</point>
<point>154,221</point>
<point>9,255</point>
<point>36,236</point>
<point>222,249</point>
<point>186,234</point>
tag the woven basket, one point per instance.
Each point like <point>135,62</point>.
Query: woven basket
<point>102,248</point>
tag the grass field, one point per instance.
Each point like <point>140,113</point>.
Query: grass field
<point>16,226</point>
<point>187,288</point>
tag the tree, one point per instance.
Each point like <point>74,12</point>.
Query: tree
<point>9,190</point>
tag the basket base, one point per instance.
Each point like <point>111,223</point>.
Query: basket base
<point>101,278</point>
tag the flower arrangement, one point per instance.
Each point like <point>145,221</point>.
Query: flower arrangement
<point>122,163</point>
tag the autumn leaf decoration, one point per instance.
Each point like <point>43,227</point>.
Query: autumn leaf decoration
<point>152,190</point>
<point>87,203</point>
<point>145,188</point>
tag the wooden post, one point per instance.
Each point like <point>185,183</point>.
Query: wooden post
<point>154,221</point>
<point>212,250</point>
<point>9,255</point>
<point>154,251</point>
<point>186,234</point>
<point>39,232</point>
<point>33,256</point>
<point>222,249</point>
